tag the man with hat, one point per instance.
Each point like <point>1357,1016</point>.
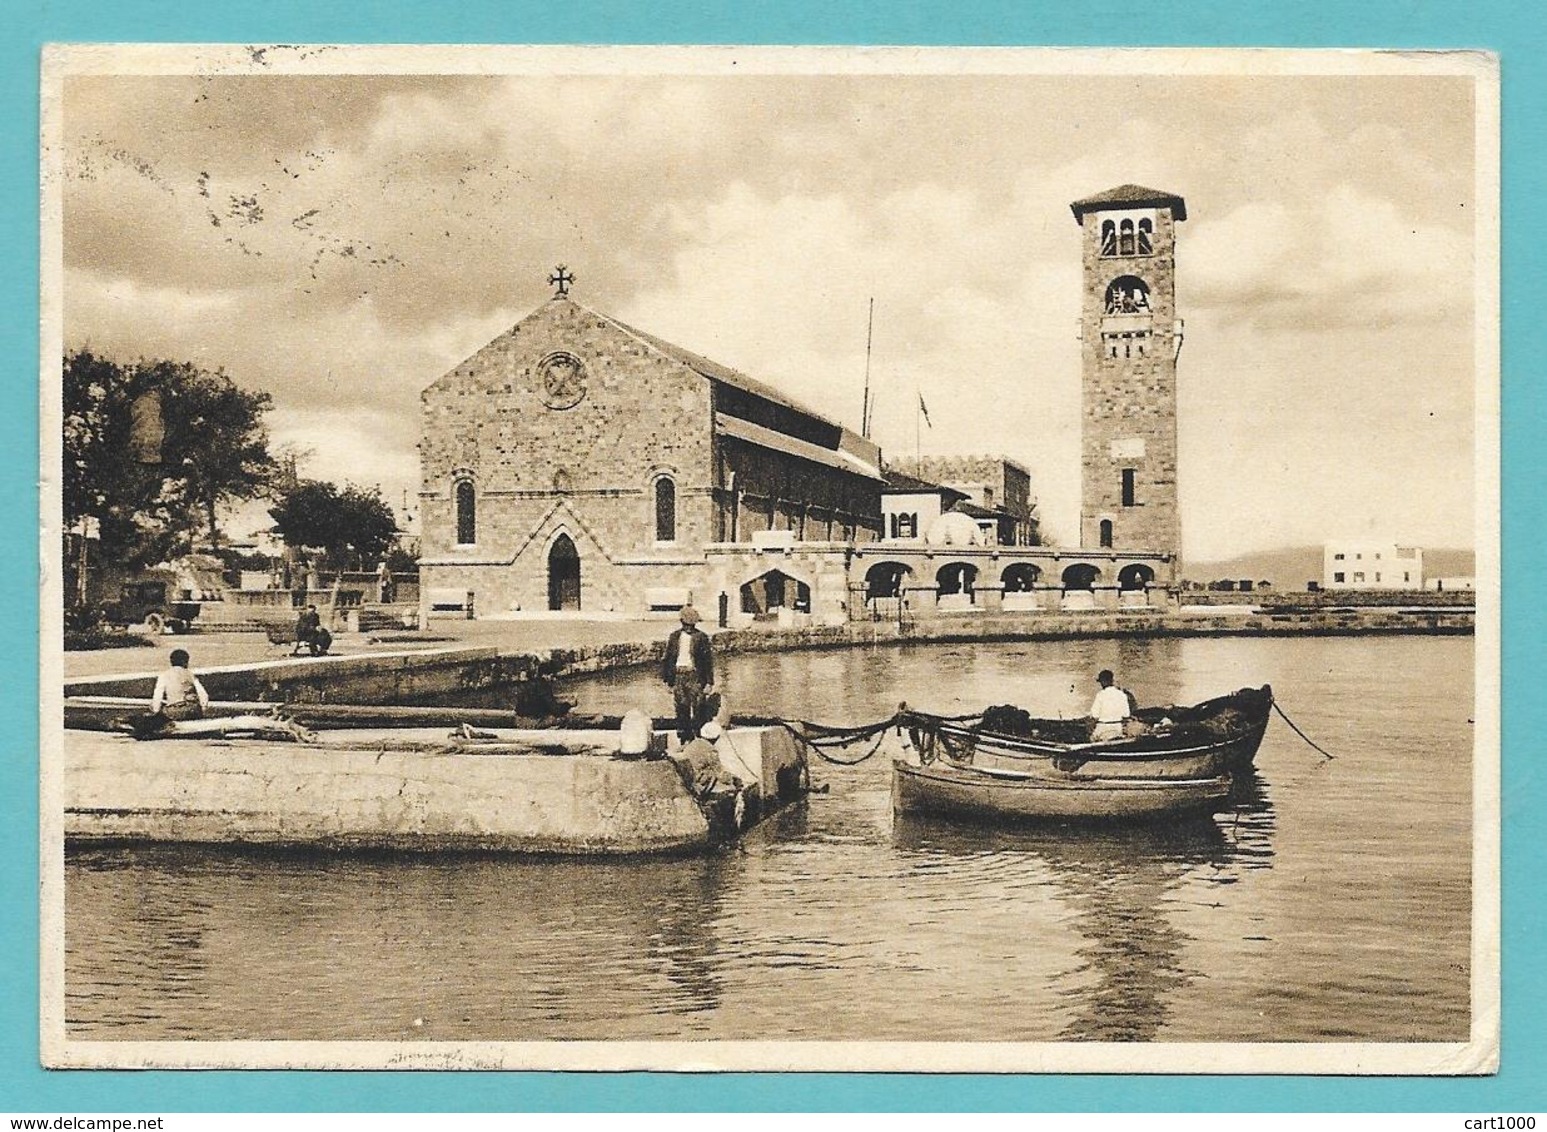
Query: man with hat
<point>688,668</point>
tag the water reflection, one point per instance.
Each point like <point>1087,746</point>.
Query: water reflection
<point>644,933</point>
<point>1122,886</point>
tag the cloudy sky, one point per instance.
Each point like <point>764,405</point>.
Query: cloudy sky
<point>341,241</point>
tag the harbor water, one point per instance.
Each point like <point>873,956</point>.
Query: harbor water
<point>1332,904</point>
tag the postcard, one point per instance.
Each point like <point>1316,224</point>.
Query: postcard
<point>792,559</point>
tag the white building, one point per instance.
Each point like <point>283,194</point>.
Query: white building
<point>1371,566</point>
<point>911,507</point>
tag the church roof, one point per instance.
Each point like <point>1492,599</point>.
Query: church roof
<point>715,371</point>
<point>972,510</point>
<point>793,446</point>
<point>1130,196</point>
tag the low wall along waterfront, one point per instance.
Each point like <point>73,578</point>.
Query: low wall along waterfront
<point>428,675</point>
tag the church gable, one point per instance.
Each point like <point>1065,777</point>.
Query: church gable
<point>567,400</point>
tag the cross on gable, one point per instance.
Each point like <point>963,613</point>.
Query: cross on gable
<point>561,279</point>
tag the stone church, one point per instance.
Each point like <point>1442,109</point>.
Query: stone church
<point>578,465</point>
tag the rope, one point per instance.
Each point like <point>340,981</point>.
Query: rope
<point>837,737</point>
<point>821,738</point>
<point>1295,728</point>
<point>822,754</point>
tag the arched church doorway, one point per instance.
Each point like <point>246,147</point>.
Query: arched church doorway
<point>563,575</point>
<point>1020,578</point>
<point>885,580</point>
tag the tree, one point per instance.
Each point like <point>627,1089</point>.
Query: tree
<point>350,526</point>
<point>152,449</point>
<point>216,448</point>
<point>138,520</point>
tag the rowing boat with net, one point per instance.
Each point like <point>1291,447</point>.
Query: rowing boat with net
<point>1192,743</point>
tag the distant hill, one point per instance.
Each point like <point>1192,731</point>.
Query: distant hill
<point>1290,567</point>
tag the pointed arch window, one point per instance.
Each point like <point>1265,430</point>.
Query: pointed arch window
<point>665,510</point>
<point>466,505</point>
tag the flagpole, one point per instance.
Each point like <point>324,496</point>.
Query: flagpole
<point>918,432</point>
<point>864,416</point>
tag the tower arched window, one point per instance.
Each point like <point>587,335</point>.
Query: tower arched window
<point>1106,532</point>
<point>1125,238</point>
<point>1128,294</point>
<point>466,504</point>
<point>665,510</point>
<point>1146,237</point>
<point>1108,238</point>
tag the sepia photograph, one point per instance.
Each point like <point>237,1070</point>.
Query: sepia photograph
<point>819,559</point>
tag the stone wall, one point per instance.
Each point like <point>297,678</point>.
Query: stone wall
<point>1339,599</point>
<point>275,794</point>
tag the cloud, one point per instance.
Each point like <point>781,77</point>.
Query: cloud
<point>779,286</point>
<point>1350,260</point>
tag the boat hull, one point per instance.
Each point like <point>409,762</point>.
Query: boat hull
<point>943,789</point>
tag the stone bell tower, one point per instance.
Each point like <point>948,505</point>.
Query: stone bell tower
<point>1130,338</point>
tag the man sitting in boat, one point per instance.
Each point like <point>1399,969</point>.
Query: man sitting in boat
<point>1111,709</point>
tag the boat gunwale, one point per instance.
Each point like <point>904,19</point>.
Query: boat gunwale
<point>1051,748</point>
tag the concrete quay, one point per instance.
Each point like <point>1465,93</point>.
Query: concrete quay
<point>554,792</point>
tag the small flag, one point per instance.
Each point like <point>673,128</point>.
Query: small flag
<point>923,408</point>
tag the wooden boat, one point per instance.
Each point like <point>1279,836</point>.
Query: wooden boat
<point>945,788</point>
<point>1191,743</point>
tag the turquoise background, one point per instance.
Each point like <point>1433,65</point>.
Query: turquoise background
<point>1518,31</point>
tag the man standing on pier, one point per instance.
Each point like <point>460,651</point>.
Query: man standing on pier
<point>688,668</point>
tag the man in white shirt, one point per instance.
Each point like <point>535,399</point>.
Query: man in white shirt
<point>1109,709</point>
<point>178,694</point>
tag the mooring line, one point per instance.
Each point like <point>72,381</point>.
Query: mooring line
<point>1293,727</point>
